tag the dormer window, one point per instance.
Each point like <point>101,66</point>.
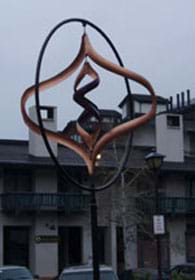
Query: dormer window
<point>47,113</point>
<point>76,138</point>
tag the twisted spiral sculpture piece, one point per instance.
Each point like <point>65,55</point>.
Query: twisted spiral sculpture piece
<point>91,110</point>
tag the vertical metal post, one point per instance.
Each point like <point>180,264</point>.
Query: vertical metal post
<point>94,234</point>
<point>158,239</point>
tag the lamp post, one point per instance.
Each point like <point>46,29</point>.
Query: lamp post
<point>154,161</point>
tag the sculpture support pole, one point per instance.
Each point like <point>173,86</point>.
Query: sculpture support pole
<point>94,232</point>
<point>158,237</point>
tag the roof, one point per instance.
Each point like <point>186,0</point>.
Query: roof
<point>144,98</point>
<point>15,153</point>
<point>109,113</point>
<point>104,113</point>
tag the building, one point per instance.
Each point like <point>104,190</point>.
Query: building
<point>172,134</point>
<point>45,220</point>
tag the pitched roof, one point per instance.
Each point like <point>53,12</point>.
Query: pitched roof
<point>15,152</point>
<point>144,98</point>
<point>104,113</point>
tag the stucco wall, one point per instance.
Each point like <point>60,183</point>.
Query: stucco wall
<point>170,140</point>
<point>144,136</point>
<point>36,143</point>
<point>177,230</point>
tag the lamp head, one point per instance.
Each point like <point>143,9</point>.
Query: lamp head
<point>154,160</point>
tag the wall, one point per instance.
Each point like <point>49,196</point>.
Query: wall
<point>36,143</point>
<point>45,255</point>
<point>145,107</point>
<point>177,230</point>
<point>176,187</point>
<point>169,140</point>
<point>144,136</point>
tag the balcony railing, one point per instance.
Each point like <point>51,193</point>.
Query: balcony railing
<point>167,205</point>
<point>66,202</point>
<point>189,153</point>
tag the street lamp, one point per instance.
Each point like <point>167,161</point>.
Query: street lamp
<point>154,161</point>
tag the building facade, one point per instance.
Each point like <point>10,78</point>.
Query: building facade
<point>45,220</point>
<point>171,134</point>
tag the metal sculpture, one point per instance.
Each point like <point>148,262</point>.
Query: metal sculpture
<point>93,143</point>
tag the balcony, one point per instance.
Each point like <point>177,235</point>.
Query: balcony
<point>167,205</point>
<point>64,202</point>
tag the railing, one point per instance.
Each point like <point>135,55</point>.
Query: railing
<point>167,205</point>
<point>189,153</point>
<point>66,202</point>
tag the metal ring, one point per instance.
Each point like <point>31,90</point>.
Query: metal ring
<point>128,145</point>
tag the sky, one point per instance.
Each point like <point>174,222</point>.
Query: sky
<point>154,38</point>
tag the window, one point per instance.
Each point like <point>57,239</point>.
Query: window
<point>120,249</point>
<point>64,185</point>
<point>190,187</point>
<point>17,180</point>
<point>147,251</point>
<point>47,113</point>
<point>16,239</point>
<point>70,246</point>
<point>76,137</point>
<point>101,243</point>
<point>173,121</point>
<point>192,143</point>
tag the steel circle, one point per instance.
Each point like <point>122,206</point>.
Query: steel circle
<point>128,145</point>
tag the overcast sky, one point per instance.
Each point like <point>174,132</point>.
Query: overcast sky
<point>154,38</point>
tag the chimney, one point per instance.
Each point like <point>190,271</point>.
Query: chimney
<point>171,103</point>
<point>178,101</point>
<point>36,143</point>
<point>188,97</point>
<point>167,105</point>
<point>182,99</point>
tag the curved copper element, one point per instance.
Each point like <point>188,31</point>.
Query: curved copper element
<point>61,139</point>
<point>132,124</point>
<point>90,108</point>
<point>89,157</point>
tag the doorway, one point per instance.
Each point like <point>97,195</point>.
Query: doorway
<point>70,246</point>
<point>16,245</point>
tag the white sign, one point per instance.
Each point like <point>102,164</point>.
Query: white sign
<point>159,224</point>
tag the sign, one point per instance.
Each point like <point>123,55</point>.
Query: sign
<point>159,224</point>
<point>46,239</point>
